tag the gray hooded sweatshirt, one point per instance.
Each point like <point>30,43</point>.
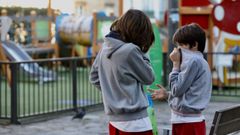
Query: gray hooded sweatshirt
<point>120,70</point>
<point>190,86</point>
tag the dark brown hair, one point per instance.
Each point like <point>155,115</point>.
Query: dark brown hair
<point>135,27</point>
<point>190,34</point>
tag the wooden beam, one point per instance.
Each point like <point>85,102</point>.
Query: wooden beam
<point>210,41</point>
<point>49,13</point>
<point>195,10</point>
<point>95,33</point>
<point>120,8</point>
<point>33,27</point>
<point>180,16</point>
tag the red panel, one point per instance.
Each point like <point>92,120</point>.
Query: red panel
<point>231,17</point>
<point>194,3</point>
<point>202,20</point>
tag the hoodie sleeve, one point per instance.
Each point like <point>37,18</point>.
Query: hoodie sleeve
<point>93,77</point>
<point>181,81</point>
<point>140,67</point>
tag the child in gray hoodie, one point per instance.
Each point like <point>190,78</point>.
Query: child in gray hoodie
<point>190,82</point>
<point>120,70</point>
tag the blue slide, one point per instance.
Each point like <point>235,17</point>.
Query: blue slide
<point>16,53</point>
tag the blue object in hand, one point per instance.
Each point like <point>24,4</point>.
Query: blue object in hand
<point>150,101</point>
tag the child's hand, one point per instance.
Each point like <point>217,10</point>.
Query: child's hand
<point>160,94</point>
<point>175,55</point>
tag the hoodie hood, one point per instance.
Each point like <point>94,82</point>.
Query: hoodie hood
<point>112,43</point>
<point>188,54</point>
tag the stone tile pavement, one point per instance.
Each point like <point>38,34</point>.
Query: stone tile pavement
<point>95,123</point>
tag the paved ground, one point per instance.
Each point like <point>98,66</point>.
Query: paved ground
<point>95,123</point>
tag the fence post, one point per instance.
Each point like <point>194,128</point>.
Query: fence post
<point>14,117</point>
<point>74,84</point>
<point>173,21</point>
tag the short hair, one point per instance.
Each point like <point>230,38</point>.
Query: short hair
<point>190,34</point>
<point>135,27</point>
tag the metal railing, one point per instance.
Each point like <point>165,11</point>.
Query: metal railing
<point>33,88</point>
<point>39,87</point>
<point>225,74</point>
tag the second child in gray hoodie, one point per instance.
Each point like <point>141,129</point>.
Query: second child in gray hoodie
<point>190,82</point>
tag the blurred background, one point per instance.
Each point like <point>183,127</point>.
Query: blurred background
<point>54,42</point>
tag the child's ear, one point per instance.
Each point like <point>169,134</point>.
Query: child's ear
<point>196,46</point>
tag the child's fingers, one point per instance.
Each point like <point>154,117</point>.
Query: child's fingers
<point>154,97</point>
<point>160,86</point>
<point>150,90</point>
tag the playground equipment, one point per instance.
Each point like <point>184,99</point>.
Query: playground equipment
<point>76,30</point>
<point>198,12</point>
<point>227,31</point>
<point>11,51</point>
<point>33,33</point>
<point>14,52</point>
<point>72,33</point>
<point>222,26</point>
<point>80,35</point>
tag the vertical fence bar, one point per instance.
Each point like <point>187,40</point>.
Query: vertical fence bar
<point>38,99</point>
<point>13,67</point>
<point>29,93</point>
<point>65,88</point>
<point>61,88</point>
<point>83,84</point>
<point>74,84</point>
<point>165,75</point>
<point>237,70</point>
<point>5,90</point>
<point>24,99</point>
<point>44,98</point>
<point>33,90</point>
<point>235,64</point>
<point>69,87</point>
<point>18,92</point>
<point>53,96</point>
<point>84,87</point>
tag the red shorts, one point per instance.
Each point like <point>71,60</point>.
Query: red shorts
<point>195,128</point>
<point>115,131</point>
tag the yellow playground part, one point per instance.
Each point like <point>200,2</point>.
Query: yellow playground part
<point>82,35</point>
<point>76,30</point>
<point>229,43</point>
